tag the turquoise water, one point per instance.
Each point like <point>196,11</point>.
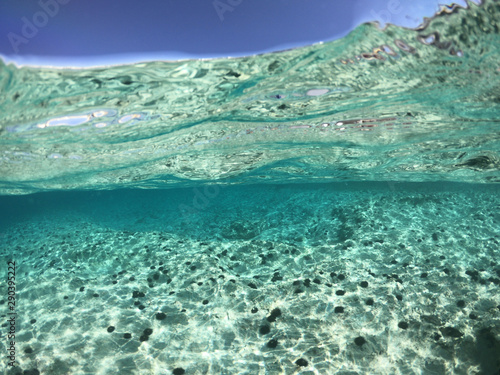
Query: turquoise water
<point>333,209</point>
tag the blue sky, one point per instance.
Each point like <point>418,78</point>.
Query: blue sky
<point>86,32</point>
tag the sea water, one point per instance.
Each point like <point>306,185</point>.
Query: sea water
<point>332,209</point>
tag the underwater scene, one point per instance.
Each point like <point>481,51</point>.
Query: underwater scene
<point>330,209</point>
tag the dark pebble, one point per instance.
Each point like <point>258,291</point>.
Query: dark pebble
<point>276,312</point>
<point>137,294</point>
<point>424,275</point>
<point>28,350</point>
<point>472,316</point>
<point>205,302</point>
<point>340,292</point>
<point>127,336</point>
<point>110,329</point>
<point>307,283</point>
<point>276,277</point>
<point>254,310</point>
<point>301,362</point>
<point>33,371</point>
<point>144,338</point>
<point>82,289</point>
<point>33,321</point>
<point>264,330</point>
<point>272,343</point>
<point>359,341</point>
<point>298,291</point>
<point>399,297</point>
<point>370,302</point>
<point>317,281</point>
<point>161,316</point>
<point>461,303</point>
<point>451,332</point>
<point>141,307</point>
<point>252,285</point>
<point>339,310</point>
<point>473,273</point>
<point>341,276</point>
<point>403,325</point>
<point>271,318</point>
<point>364,284</point>
<point>95,295</point>
<point>178,371</point>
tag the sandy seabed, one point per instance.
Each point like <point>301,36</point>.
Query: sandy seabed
<point>258,280</point>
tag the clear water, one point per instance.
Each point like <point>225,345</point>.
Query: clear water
<point>333,209</point>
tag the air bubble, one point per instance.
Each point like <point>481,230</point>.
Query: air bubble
<point>68,121</point>
<point>427,39</point>
<point>403,46</point>
<point>385,48</point>
<point>130,117</point>
<point>317,92</point>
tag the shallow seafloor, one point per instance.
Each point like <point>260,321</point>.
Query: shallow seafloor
<point>390,279</point>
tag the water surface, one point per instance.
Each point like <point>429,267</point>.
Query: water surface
<point>332,209</point>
